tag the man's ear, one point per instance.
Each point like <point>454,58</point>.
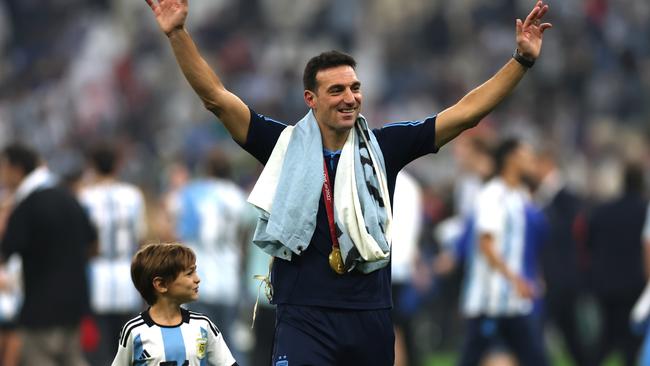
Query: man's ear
<point>310,99</point>
<point>159,285</point>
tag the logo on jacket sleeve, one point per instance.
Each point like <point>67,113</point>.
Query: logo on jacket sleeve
<point>201,345</point>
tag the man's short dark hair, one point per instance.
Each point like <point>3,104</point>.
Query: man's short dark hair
<point>21,156</point>
<point>506,148</point>
<point>104,159</point>
<point>325,60</point>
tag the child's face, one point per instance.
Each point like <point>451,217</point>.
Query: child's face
<point>185,288</point>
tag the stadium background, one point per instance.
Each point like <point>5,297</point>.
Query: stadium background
<point>74,73</point>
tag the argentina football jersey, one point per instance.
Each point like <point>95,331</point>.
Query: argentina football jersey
<point>196,341</point>
<point>501,212</point>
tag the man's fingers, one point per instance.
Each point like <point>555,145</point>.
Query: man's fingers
<point>531,17</point>
<point>151,4</point>
<point>542,12</point>
<point>545,26</point>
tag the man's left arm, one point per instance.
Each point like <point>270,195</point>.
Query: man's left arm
<point>482,100</point>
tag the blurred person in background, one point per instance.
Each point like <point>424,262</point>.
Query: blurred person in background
<point>302,233</point>
<point>563,254</point>
<point>10,293</point>
<point>117,210</point>
<point>640,315</point>
<point>616,275</point>
<point>473,155</point>
<point>177,175</point>
<point>475,163</point>
<point>53,235</point>
<point>211,219</point>
<point>501,281</point>
<point>407,225</point>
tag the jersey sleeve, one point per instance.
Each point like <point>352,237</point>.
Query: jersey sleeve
<point>488,212</point>
<point>124,355</point>
<point>403,142</point>
<point>218,352</point>
<point>263,133</point>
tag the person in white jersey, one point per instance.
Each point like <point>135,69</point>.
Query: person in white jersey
<point>499,286</point>
<point>407,225</point>
<point>166,334</point>
<point>211,218</point>
<point>117,210</point>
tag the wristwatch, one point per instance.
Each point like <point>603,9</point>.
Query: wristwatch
<point>524,61</point>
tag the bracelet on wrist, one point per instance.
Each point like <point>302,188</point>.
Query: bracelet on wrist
<point>524,61</point>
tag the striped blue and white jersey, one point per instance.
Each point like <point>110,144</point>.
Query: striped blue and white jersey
<point>501,212</point>
<point>117,209</point>
<point>209,219</point>
<point>194,342</point>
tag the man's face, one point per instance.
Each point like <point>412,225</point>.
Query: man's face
<point>337,100</point>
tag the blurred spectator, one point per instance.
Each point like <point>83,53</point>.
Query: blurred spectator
<point>501,269</point>
<point>52,234</point>
<point>475,166</point>
<point>616,274</point>
<point>11,293</point>
<point>407,222</point>
<point>177,174</point>
<point>211,218</point>
<point>640,315</point>
<point>563,254</point>
<point>117,210</point>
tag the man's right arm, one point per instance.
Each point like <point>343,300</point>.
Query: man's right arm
<point>170,16</point>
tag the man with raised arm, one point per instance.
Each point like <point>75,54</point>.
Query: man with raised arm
<point>325,193</point>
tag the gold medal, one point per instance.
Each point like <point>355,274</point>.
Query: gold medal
<point>336,261</point>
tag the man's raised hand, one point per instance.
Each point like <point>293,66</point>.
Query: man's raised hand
<point>530,32</point>
<point>170,14</point>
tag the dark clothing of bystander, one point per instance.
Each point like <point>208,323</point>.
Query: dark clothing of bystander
<point>616,275</point>
<point>53,235</point>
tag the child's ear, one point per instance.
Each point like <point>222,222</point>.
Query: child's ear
<point>159,285</point>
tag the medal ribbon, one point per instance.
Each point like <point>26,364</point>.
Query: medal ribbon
<point>328,197</point>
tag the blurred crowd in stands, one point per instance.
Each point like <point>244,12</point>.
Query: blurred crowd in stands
<point>75,74</point>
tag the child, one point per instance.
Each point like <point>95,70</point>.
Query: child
<point>166,334</point>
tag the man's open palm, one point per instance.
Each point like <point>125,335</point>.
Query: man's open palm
<point>170,14</point>
<point>531,30</point>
